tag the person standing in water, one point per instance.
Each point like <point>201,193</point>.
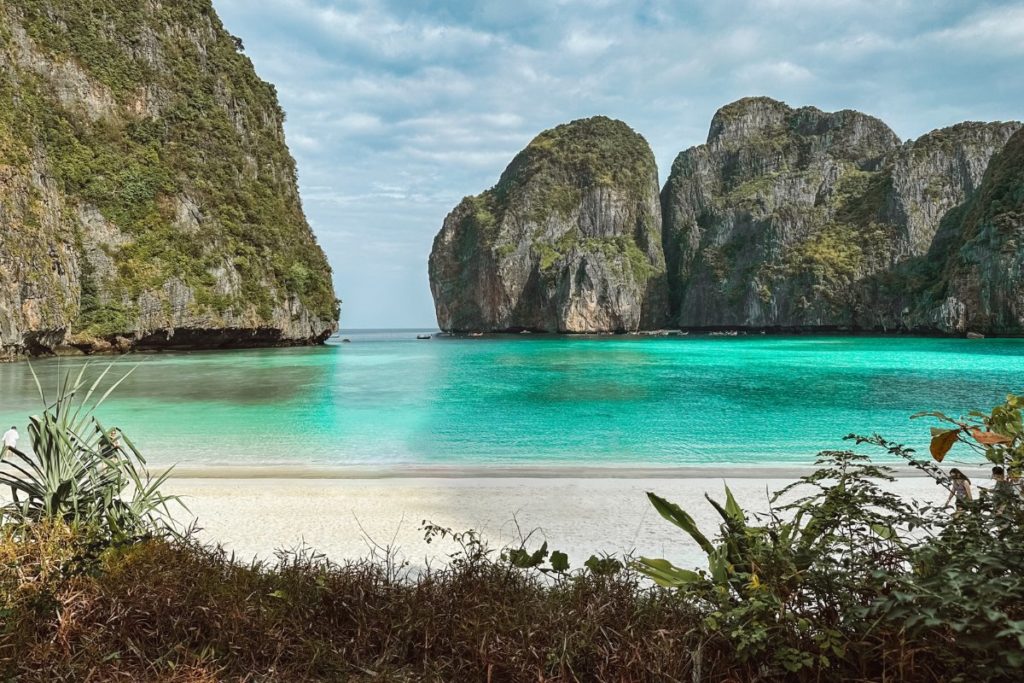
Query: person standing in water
<point>960,488</point>
<point>10,439</point>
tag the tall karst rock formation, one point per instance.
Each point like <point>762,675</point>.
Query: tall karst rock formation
<point>792,218</point>
<point>569,240</point>
<point>785,219</point>
<point>147,198</point>
<point>981,283</point>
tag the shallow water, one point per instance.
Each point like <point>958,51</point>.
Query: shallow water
<point>387,399</point>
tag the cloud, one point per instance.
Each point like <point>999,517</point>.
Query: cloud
<point>357,123</point>
<point>772,74</point>
<point>583,43</point>
<point>991,33</point>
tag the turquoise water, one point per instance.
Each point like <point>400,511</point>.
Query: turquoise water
<point>387,399</point>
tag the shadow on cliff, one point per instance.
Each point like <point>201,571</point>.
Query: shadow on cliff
<point>906,297</point>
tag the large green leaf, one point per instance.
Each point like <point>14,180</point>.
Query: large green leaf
<point>681,519</point>
<point>732,507</point>
<point>666,574</point>
<point>559,561</point>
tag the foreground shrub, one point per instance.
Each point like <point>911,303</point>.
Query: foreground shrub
<point>81,473</point>
<point>167,609</point>
<point>849,580</point>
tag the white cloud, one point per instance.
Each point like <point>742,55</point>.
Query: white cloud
<point>584,43</point>
<point>997,30</point>
<point>502,120</point>
<point>856,46</point>
<point>357,123</point>
<point>771,74</point>
<point>463,158</point>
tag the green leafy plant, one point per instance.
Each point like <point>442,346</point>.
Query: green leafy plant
<point>794,588</point>
<point>79,472</point>
<point>842,574</point>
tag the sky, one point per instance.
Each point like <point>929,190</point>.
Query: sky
<point>397,110</point>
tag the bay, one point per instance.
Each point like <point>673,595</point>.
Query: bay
<point>389,400</point>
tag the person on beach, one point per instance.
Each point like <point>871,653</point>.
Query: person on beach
<point>10,439</point>
<point>1002,485</point>
<point>1002,489</point>
<point>113,442</point>
<point>960,488</point>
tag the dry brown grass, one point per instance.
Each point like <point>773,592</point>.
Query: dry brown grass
<point>177,611</point>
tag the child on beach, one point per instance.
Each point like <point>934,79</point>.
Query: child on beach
<point>960,488</point>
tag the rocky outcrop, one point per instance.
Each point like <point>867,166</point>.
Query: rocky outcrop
<point>760,223</point>
<point>147,197</point>
<point>569,240</point>
<point>801,219</point>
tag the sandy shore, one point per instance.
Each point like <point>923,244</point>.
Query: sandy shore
<point>342,517</point>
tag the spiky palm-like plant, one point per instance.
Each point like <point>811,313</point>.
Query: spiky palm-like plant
<point>80,472</point>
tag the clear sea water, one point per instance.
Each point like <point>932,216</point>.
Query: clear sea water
<point>389,400</point>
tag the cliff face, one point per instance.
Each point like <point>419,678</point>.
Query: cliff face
<point>147,197</point>
<point>569,240</point>
<point>982,286</point>
<point>801,219</point>
<point>763,224</point>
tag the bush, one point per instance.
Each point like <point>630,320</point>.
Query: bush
<point>850,581</point>
<point>166,609</point>
<point>81,473</point>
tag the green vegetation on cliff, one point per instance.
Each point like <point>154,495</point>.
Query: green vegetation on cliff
<point>576,156</point>
<point>170,134</point>
<point>999,203</point>
<point>799,218</point>
<point>562,163</point>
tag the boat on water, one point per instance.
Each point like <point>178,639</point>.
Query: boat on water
<point>423,336</point>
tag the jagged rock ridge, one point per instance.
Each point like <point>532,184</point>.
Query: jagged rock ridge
<point>147,197</point>
<point>980,286</point>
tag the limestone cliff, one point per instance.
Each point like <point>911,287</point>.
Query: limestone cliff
<point>785,219</point>
<point>801,219</point>
<point>147,197</point>
<point>982,284</point>
<point>569,240</point>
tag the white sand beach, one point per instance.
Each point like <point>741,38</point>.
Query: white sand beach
<point>255,516</point>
